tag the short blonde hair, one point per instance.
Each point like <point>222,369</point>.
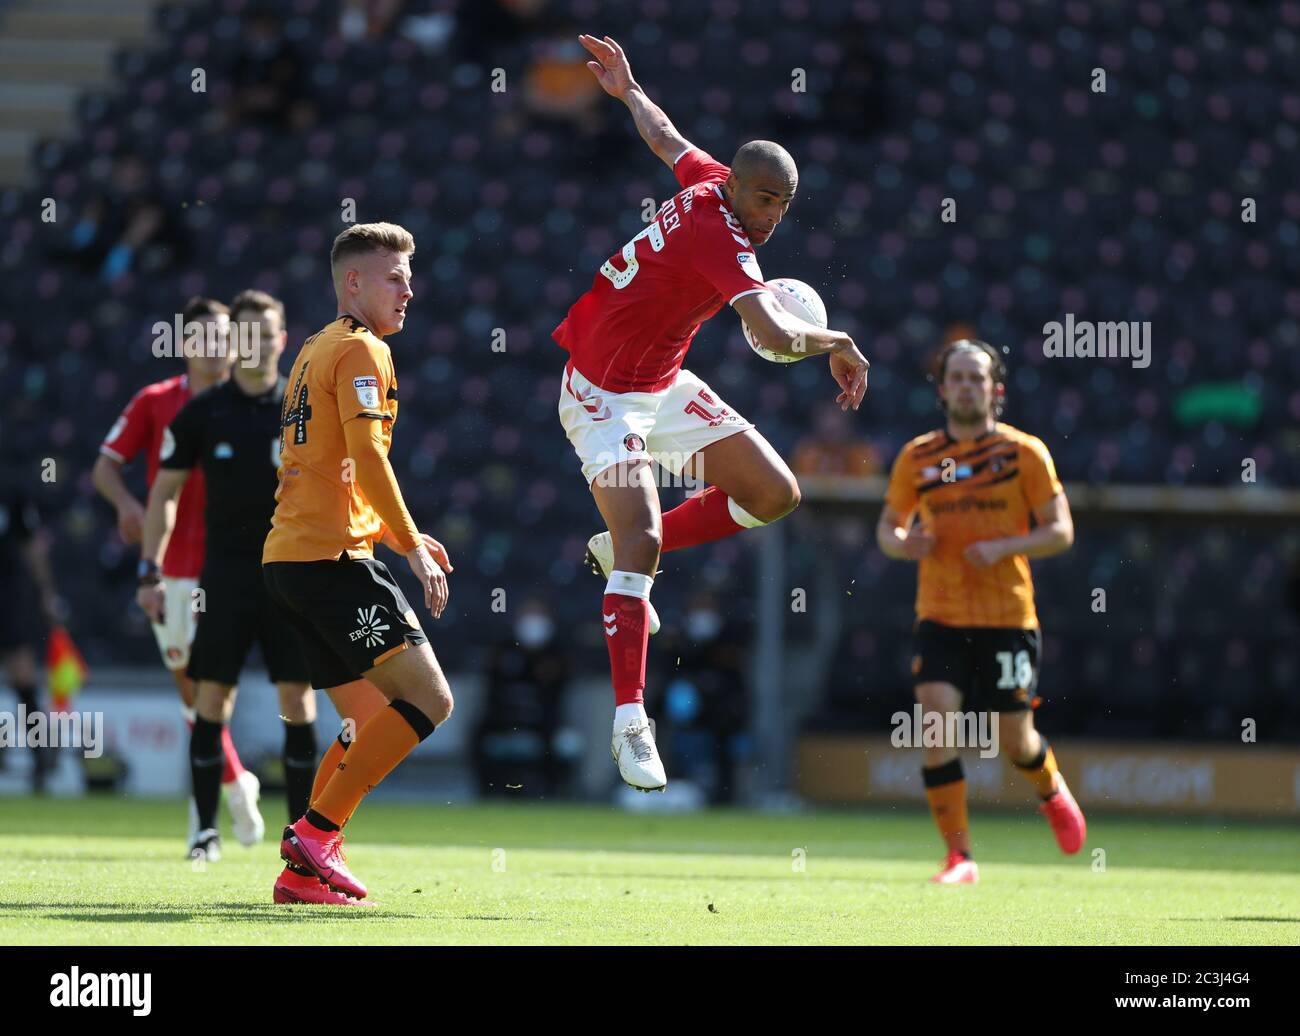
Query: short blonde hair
<point>361,238</point>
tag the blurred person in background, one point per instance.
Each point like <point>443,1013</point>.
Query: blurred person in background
<point>269,79</point>
<point>960,503</point>
<point>24,568</point>
<point>118,225</point>
<point>231,434</point>
<point>705,702</point>
<point>520,744</point>
<point>142,428</point>
<point>834,447</point>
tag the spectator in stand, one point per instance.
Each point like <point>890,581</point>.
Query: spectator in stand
<point>24,566</point>
<point>834,447</point>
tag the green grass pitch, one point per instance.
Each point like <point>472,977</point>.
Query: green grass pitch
<point>107,871</point>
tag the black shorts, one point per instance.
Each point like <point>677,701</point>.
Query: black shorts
<point>234,611</point>
<point>350,615</point>
<point>996,669</point>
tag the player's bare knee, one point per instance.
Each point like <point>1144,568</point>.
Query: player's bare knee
<point>938,697</point>
<point>443,704</point>
<point>637,550</point>
<point>788,498</point>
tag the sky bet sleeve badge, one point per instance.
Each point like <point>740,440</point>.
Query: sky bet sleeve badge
<point>367,391</point>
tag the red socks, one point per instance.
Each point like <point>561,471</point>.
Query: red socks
<point>711,515</point>
<point>231,767</point>
<point>624,613</point>
<point>703,518</point>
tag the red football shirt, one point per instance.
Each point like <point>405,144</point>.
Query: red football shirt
<point>631,330</point>
<point>142,426</point>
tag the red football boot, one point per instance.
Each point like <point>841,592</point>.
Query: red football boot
<point>1066,818</point>
<point>320,852</point>
<point>293,887</point>
<point>958,869</point>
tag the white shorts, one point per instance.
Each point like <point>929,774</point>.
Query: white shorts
<point>175,633</point>
<point>669,426</point>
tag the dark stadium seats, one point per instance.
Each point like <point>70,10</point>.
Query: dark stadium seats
<point>1065,203</point>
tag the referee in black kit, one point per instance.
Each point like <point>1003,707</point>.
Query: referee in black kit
<point>232,432</point>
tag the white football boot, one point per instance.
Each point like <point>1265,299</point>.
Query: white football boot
<point>633,748</point>
<point>600,556</point>
<point>241,798</point>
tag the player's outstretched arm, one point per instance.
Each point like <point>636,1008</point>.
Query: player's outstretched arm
<point>782,332</point>
<point>899,541</point>
<point>614,73</point>
<point>1053,533</point>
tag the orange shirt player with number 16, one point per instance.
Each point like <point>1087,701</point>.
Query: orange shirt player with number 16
<point>337,498</point>
<point>972,487</point>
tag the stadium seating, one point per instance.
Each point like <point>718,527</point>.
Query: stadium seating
<point>1122,205</point>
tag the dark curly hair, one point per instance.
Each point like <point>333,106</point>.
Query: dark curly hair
<point>997,367</point>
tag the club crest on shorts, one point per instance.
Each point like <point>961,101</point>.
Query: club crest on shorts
<point>633,443</point>
<point>367,391</point>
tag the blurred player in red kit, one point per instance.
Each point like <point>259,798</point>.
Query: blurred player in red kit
<point>142,429</point>
<point>626,399</point>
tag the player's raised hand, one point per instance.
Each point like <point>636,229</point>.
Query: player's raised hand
<point>849,369</point>
<point>611,67</point>
<point>918,542</point>
<point>432,579</point>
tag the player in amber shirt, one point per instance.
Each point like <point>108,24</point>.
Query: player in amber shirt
<point>337,498</point>
<point>959,502</point>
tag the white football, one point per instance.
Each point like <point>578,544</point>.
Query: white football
<point>797,298</point>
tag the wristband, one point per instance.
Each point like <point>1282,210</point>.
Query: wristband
<point>147,573</point>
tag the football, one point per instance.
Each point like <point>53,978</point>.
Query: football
<point>797,298</point>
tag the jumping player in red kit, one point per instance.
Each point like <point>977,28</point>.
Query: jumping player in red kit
<point>625,398</point>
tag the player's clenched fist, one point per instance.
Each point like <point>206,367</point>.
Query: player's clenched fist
<point>918,542</point>
<point>611,67</point>
<point>984,553</point>
<point>150,598</point>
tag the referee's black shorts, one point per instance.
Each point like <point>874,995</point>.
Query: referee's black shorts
<point>234,611</point>
<point>349,613</point>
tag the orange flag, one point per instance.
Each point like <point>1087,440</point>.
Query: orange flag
<point>66,668</point>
